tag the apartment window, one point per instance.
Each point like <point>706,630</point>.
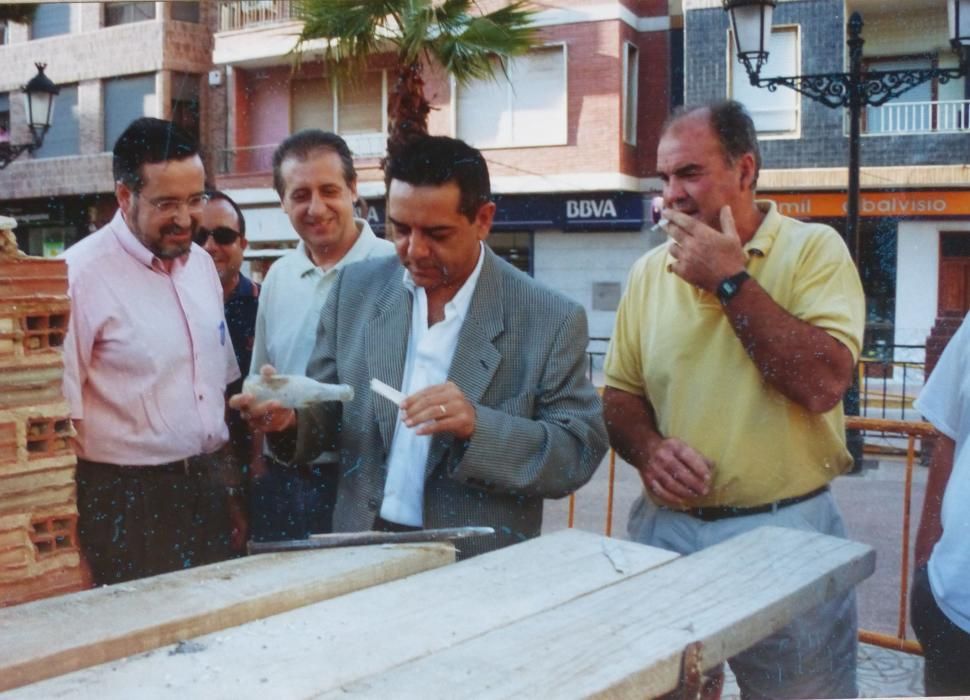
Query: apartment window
<point>127,12</point>
<point>774,113</point>
<point>185,11</point>
<point>64,136</point>
<point>51,19</point>
<point>185,102</point>
<point>527,109</point>
<point>4,117</point>
<point>631,77</point>
<point>356,111</point>
<point>126,99</point>
<point>911,112</point>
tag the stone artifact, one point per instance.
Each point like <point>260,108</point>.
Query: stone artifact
<point>293,391</point>
<point>39,554</point>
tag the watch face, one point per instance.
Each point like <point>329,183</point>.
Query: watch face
<point>729,289</point>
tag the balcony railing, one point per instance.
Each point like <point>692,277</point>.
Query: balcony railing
<point>951,116</point>
<point>251,13</point>
<point>246,160</point>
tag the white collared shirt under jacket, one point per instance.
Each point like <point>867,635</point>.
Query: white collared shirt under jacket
<point>429,356</point>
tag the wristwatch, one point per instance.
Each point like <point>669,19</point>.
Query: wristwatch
<point>730,286</point>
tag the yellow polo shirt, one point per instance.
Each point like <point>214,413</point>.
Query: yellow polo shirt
<point>674,345</point>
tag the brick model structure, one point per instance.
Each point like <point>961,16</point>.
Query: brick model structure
<point>39,554</point>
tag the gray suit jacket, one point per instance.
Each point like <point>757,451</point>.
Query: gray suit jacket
<point>520,361</point>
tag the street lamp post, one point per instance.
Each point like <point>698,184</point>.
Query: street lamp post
<point>751,22</point>
<point>39,95</point>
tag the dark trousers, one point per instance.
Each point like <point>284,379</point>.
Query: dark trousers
<point>139,521</point>
<point>292,502</point>
<point>946,647</point>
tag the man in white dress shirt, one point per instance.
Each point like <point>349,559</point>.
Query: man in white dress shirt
<point>313,172</point>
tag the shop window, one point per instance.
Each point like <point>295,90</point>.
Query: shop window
<point>631,78</point>
<point>116,13</point>
<point>51,19</point>
<point>774,113</point>
<point>48,437</point>
<point>514,248</point>
<point>53,535</point>
<point>64,136</point>
<point>125,100</point>
<point>526,109</point>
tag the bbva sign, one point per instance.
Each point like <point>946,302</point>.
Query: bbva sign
<point>590,209</point>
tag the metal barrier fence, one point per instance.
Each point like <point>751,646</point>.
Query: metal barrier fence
<point>889,385</point>
<point>910,430</point>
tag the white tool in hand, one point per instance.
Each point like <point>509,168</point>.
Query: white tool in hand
<point>388,392</point>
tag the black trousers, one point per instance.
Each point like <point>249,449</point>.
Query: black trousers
<point>946,647</point>
<point>292,502</point>
<point>139,521</point>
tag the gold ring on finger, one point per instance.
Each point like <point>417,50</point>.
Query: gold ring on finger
<point>442,407</point>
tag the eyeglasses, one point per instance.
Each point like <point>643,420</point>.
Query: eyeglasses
<point>223,235</point>
<point>170,206</point>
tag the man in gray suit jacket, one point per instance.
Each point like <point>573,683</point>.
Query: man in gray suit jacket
<point>498,414</point>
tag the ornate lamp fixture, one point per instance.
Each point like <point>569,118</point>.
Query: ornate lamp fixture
<point>39,95</point>
<point>751,22</point>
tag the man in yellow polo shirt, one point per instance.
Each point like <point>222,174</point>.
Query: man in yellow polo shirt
<point>733,346</point>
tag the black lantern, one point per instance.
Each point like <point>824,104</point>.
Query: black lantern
<point>751,22</point>
<point>958,13</point>
<point>39,95</point>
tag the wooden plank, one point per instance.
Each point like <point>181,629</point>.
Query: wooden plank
<point>55,636</point>
<point>625,641</point>
<point>331,643</point>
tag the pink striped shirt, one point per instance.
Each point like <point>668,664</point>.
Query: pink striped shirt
<point>147,355</point>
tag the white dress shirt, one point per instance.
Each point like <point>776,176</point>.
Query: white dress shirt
<point>430,351</point>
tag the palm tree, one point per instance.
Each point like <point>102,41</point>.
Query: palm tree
<point>469,44</point>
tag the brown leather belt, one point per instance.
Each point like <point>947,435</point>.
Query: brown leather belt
<point>712,513</point>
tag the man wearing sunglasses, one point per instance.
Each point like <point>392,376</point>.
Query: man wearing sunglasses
<point>147,358</point>
<point>222,233</point>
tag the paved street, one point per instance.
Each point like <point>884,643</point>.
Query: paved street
<point>872,504</point>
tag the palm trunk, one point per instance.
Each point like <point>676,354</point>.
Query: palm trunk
<point>407,108</point>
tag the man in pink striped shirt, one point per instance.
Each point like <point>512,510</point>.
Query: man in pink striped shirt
<point>146,361</point>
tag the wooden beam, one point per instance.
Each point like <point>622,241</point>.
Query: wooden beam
<point>323,646</point>
<point>58,635</point>
<point>626,641</point>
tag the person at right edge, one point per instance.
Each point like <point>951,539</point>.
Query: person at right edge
<point>940,599</point>
<point>734,344</point>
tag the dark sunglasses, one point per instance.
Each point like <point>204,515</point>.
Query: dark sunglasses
<point>222,234</point>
